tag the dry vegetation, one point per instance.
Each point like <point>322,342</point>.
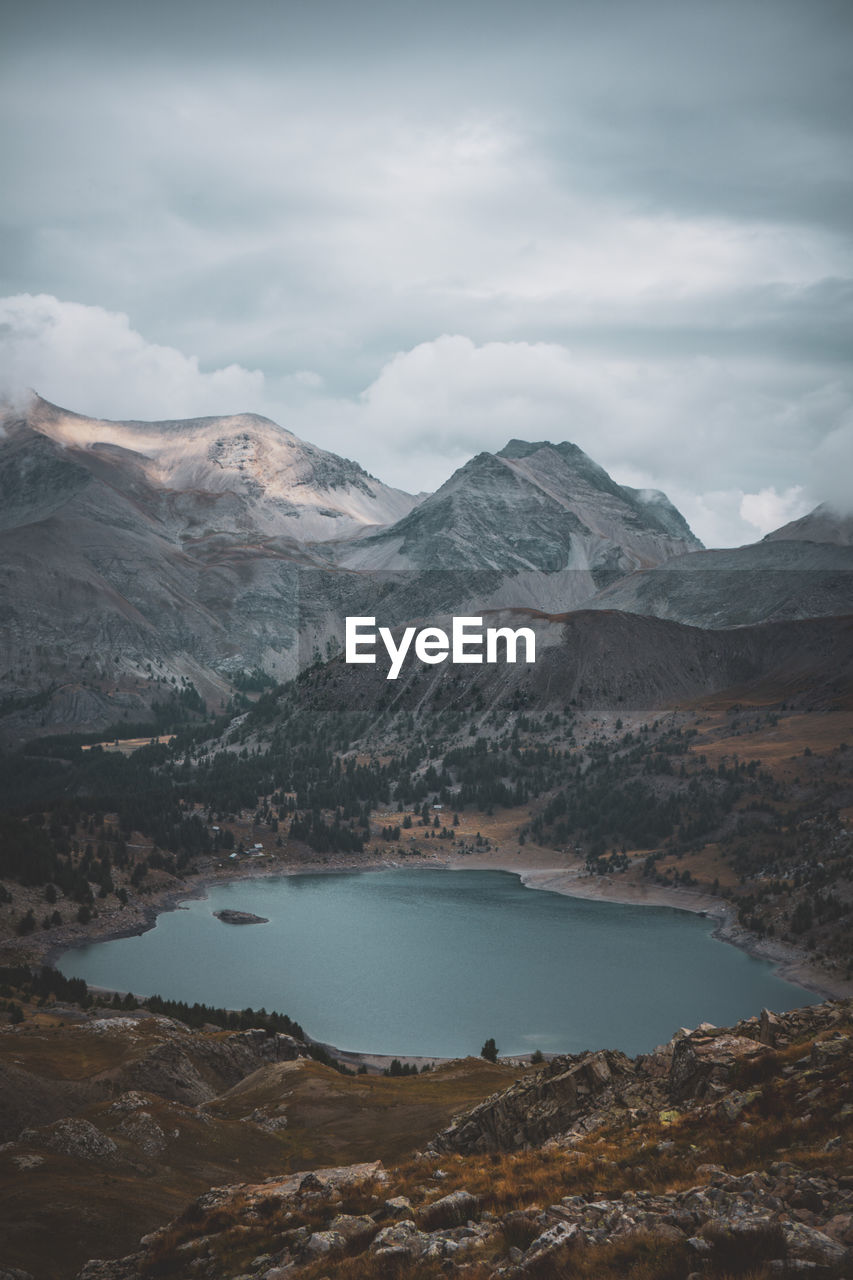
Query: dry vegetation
<point>798,1113</point>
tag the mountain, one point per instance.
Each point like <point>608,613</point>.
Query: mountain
<point>139,559</point>
<point>544,515</point>
<point>824,524</point>
<point>146,563</point>
<point>241,474</point>
<point>804,570</point>
<point>141,554</point>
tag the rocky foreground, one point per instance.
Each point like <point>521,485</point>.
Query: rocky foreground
<point>725,1152</point>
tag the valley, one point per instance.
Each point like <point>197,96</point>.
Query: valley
<point>176,714</point>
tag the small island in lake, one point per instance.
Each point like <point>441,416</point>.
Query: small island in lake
<point>239,917</point>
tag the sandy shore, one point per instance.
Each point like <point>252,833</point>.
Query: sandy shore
<point>540,868</point>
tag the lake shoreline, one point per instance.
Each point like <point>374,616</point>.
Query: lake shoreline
<point>536,868</point>
<point>791,963</point>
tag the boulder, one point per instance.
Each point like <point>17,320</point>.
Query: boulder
<point>450,1211</point>
<point>699,1062</point>
<point>320,1243</point>
<point>810,1245</point>
<point>826,1052</point>
<point>401,1242</point>
<point>549,1247</point>
<point>398,1207</point>
<point>356,1230</point>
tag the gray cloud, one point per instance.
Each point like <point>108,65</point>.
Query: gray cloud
<point>661,192</point>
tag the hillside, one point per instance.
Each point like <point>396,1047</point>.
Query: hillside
<point>593,660</point>
<point>114,1117</point>
<point>142,555</point>
<point>727,1151</point>
<point>784,577</point>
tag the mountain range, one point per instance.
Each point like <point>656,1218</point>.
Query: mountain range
<point>138,559</point>
<point>682,737</point>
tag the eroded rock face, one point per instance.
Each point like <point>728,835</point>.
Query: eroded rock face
<point>575,1093</point>
<point>533,1110</point>
<point>699,1062</point>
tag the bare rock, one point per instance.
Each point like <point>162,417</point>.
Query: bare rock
<point>810,1245</point>
<point>450,1211</point>
<point>701,1061</point>
<point>398,1207</point>
<point>402,1241</point>
<point>550,1247</point>
<point>557,1098</point>
<point>355,1229</point>
<point>79,1138</point>
<point>321,1243</point>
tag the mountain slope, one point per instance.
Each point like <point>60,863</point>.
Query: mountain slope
<point>276,484</point>
<point>130,546</point>
<point>804,570</point>
<point>596,660</point>
<point>824,524</point>
<point>726,1149</point>
<point>538,508</point>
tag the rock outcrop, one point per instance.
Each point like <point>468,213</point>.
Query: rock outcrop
<point>724,1221</point>
<point>574,1094</point>
<point>159,1056</point>
<point>566,1092</point>
<point>790,1218</point>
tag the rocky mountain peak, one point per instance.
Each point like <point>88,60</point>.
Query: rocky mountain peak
<point>824,524</point>
<point>544,517</point>
<point>570,459</point>
<point>295,488</point>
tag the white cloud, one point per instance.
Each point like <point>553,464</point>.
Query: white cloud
<point>831,465</point>
<point>735,443</point>
<point>769,510</point>
<point>91,361</point>
<point>740,445</point>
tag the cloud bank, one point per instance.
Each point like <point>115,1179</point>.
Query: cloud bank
<point>683,425</point>
<point>409,232</point>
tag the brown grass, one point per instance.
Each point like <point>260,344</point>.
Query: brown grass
<point>335,1119</point>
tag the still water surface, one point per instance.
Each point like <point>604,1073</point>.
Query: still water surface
<point>434,962</point>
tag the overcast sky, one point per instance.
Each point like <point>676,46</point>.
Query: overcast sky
<point>409,232</point>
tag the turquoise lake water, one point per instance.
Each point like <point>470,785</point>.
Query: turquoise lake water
<point>435,962</point>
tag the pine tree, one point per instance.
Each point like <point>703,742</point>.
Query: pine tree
<point>489,1050</point>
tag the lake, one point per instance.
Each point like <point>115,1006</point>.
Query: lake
<point>434,962</point>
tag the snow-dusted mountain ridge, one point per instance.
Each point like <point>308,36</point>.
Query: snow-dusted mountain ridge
<point>137,554</point>
<point>295,489</point>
